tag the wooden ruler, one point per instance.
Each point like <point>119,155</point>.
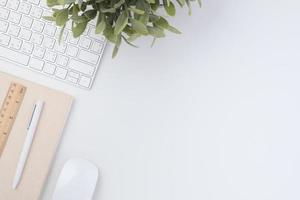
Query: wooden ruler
<point>9,111</point>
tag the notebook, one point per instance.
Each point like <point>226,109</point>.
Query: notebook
<point>47,137</point>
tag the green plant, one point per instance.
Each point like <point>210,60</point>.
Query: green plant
<point>117,20</point>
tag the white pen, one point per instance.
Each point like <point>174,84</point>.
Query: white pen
<point>31,129</point>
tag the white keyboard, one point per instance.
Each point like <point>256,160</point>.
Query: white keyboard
<point>29,41</point>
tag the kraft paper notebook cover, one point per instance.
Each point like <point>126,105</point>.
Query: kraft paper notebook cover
<point>43,149</point>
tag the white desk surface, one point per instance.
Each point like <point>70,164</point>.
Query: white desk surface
<point>212,114</point>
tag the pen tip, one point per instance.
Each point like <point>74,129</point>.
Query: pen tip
<point>14,186</point>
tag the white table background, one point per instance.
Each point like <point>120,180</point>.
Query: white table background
<point>212,114</point>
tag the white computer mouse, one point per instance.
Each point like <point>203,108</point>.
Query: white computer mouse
<point>77,180</point>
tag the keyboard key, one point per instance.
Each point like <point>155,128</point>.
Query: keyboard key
<point>3,2</point>
<point>50,30</point>
<point>36,64</point>
<point>97,47</point>
<point>85,32</point>
<point>43,4</point>
<point>4,40</point>
<point>72,39</point>
<point>85,81</point>
<point>50,56</point>
<point>15,43</point>
<point>72,51</point>
<point>37,38</point>
<point>13,30</point>
<point>48,42</point>
<point>85,42</point>
<point>49,68</point>
<point>36,12</point>
<point>25,34</point>
<point>74,74</point>
<point>38,26</point>
<point>12,55</point>
<point>64,34</point>
<point>96,36</point>
<point>61,73</point>
<point>81,67</point>
<point>38,52</point>
<point>88,57</point>
<point>14,17</point>
<point>47,12</point>
<point>3,26</point>
<point>62,60</point>
<point>26,21</point>
<point>36,2</point>
<point>27,47</point>
<point>4,13</point>
<point>24,8</point>
<point>13,4</point>
<point>93,22</point>
<point>71,79</point>
<point>60,47</point>
<point>69,25</point>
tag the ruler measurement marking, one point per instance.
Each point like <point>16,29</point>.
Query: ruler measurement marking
<point>9,111</point>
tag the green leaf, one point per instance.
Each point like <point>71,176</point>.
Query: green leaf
<point>121,23</point>
<point>115,51</point>
<point>166,3</point>
<point>156,32</point>
<point>119,4</point>
<point>136,11</point>
<point>78,28</point>
<point>153,42</point>
<point>129,43</point>
<point>62,17</point>
<point>155,6</point>
<point>75,10</point>
<point>144,18</point>
<point>181,2</point>
<point>188,3</point>
<point>109,33</point>
<point>139,27</point>
<point>128,30</point>
<point>108,10</point>
<point>49,18</point>
<point>55,11</point>
<point>151,1</point>
<point>83,6</point>
<point>200,3</point>
<point>90,14</point>
<point>64,2</point>
<point>117,46</point>
<point>101,24</point>
<point>162,22</point>
<point>61,2</point>
<point>79,19</point>
<point>153,18</point>
<point>143,5</point>
<point>61,33</point>
<point>170,9</point>
<point>173,29</point>
<point>52,3</point>
<point>133,37</point>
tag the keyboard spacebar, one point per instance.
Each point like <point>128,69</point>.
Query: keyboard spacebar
<point>14,56</point>
<point>81,67</point>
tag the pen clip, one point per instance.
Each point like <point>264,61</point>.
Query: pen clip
<point>31,116</point>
